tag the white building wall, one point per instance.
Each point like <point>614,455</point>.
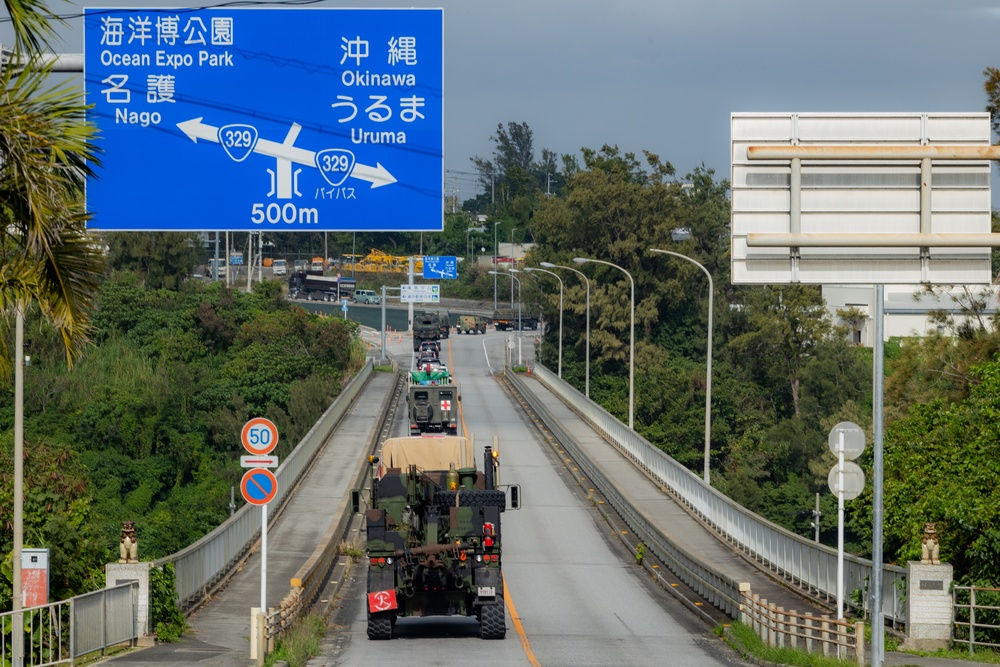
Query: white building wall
<point>905,315</point>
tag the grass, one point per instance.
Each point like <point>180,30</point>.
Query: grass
<point>747,643</point>
<point>352,550</point>
<point>300,643</point>
<point>958,653</point>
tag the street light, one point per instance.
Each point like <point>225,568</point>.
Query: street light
<point>520,327</point>
<point>529,269</point>
<point>514,278</point>
<point>586,382</point>
<point>631,339</point>
<point>494,271</point>
<point>708,371</point>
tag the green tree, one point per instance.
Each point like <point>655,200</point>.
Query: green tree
<point>787,323</point>
<point>46,154</point>
<point>160,259</point>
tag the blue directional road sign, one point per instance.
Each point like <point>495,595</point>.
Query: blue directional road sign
<point>266,119</point>
<point>440,268</point>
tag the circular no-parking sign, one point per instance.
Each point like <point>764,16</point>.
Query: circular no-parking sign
<point>259,486</point>
<point>259,436</point>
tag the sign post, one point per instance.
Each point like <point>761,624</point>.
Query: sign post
<point>846,480</point>
<point>260,486</point>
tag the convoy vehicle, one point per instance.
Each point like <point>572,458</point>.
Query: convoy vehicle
<point>425,327</point>
<point>470,324</point>
<point>434,539</point>
<point>430,346</point>
<point>444,322</point>
<point>279,267</point>
<point>504,320</point>
<point>300,265</point>
<point>432,400</point>
<point>366,296</point>
<point>212,263</point>
<point>303,285</point>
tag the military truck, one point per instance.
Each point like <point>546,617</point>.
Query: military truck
<point>434,539</point>
<point>470,324</point>
<point>303,285</point>
<point>504,320</point>
<point>425,327</point>
<point>432,402</point>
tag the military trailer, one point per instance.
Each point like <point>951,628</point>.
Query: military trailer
<point>432,402</point>
<point>433,529</point>
<point>425,327</point>
<point>470,324</point>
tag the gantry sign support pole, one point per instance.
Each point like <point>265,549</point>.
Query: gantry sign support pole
<point>924,240</point>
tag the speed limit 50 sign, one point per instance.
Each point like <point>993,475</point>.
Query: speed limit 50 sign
<point>259,436</point>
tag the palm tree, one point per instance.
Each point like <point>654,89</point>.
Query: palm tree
<point>46,155</point>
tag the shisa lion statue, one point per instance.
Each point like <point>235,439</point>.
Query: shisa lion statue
<point>929,549</point>
<point>128,549</point>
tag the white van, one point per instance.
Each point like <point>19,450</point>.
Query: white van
<point>280,267</point>
<point>366,296</point>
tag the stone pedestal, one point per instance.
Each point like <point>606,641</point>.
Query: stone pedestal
<point>116,574</point>
<point>929,606</point>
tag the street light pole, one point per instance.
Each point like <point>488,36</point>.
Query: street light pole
<point>631,339</point>
<point>708,370</point>
<point>532,270</point>
<point>514,278</point>
<point>586,281</point>
<point>494,271</point>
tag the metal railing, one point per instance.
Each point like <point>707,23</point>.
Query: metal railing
<point>816,634</point>
<point>715,587</point>
<point>976,619</point>
<point>811,567</point>
<point>201,567</point>
<point>59,632</point>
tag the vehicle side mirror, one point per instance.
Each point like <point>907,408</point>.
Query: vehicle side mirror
<point>355,500</point>
<point>515,496</point>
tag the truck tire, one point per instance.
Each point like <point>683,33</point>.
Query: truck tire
<point>493,621</point>
<point>380,625</point>
<point>491,498</point>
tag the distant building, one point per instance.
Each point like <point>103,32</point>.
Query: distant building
<point>907,308</point>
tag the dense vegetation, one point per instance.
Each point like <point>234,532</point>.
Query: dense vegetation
<point>146,427</point>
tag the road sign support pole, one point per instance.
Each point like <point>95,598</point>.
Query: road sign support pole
<point>263,560</point>
<point>878,623</point>
<point>409,306</point>
<point>840,526</point>
<point>382,359</point>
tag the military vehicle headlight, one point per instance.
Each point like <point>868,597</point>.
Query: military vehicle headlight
<point>479,558</point>
<point>388,561</point>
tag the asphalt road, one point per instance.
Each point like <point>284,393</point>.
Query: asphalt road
<point>575,591</point>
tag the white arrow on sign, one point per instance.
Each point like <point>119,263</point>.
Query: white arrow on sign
<point>259,461</point>
<point>377,175</point>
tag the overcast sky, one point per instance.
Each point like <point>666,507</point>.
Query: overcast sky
<point>664,76</point>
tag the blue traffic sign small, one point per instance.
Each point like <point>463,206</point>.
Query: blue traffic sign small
<point>440,268</point>
<point>259,486</point>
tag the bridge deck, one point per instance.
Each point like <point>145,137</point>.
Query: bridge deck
<point>665,513</point>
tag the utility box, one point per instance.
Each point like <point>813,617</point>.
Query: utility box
<point>34,577</point>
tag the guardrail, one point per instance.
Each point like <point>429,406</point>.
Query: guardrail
<point>59,632</point>
<point>204,565</point>
<point>976,621</point>
<point>311,578</point>
<point>720,590</point>
<point>816,634</point>
<point>801,562</point>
